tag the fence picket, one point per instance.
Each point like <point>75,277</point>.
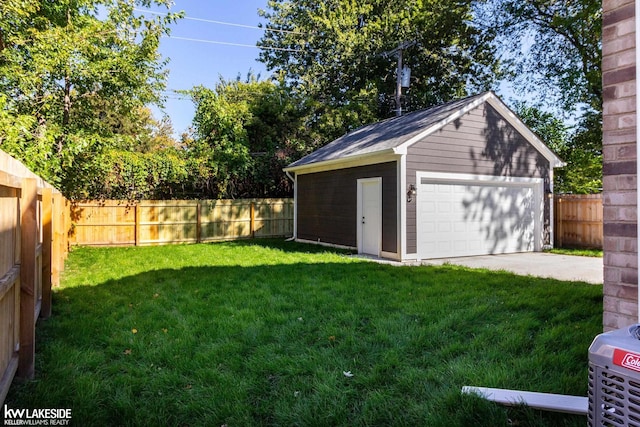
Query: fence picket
<point>578,221</point>
<point>29,241</point>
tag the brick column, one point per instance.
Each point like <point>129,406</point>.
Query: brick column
<point>619,169</point>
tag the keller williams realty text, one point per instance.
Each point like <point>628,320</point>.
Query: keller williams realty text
<point>36,417</point>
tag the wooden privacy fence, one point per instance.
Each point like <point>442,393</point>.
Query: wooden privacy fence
<point>157,222</point>
<point>578,221</point>
<point>33,247</point>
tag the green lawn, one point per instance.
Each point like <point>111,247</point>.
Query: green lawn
<point>596,253</point>
<point>261,333</point>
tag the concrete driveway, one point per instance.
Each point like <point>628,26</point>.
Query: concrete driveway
<point>539,264</point>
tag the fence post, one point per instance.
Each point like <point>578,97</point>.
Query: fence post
<point>66,227</point>
<point>29,238</point>
<point>136,218</point>
<point>199,222</point>
<point>47,201</point>
<point>58,239</point>
<point>252,223</point>
<point>560,219</point>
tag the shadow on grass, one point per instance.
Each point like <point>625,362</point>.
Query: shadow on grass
<point>270,345</point>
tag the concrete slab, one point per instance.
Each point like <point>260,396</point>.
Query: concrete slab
<point>538,264</point>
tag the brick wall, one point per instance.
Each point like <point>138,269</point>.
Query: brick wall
<point>619,169</point>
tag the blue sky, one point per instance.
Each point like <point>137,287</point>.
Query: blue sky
<point>197,63</point>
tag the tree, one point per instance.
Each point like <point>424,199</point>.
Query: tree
<point>552,51</point>
<point>245,132</point>
<point>579,148</point>
<point>553,48</point>
<point>339,53</point>
<point>59,60</point>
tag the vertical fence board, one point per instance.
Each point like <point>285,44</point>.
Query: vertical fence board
<point>29,233</point>
<point>9,279</point>
<point>47,238</point>
<point>58,232</point>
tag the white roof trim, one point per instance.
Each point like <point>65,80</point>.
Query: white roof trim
<point>349,161</point>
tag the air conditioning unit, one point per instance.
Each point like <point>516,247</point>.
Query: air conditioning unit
<point>614,378</point>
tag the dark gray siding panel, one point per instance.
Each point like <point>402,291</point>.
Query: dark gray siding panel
<point>327,205</point>
<point>480,143</point>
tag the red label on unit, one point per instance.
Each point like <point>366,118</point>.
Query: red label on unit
<point>626,359</point>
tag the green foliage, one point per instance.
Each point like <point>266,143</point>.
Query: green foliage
<point>552,48</point>
<point>594,253</point>
<point>552,54</point>
<point>21,136</point>
<point>339,53</point>
<point>63,71</point>
<point>583,175</point>
<point>246,132</point>
<point>580,148</point>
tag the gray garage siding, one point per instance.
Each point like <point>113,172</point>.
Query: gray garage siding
<point>327,205</point>
<point>482,143</point>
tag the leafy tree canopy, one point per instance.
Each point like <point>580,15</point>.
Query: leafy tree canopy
<point>340,52</point>
<point>578,147</point>
<point>67,65</point>
<point>246,132</point>
<point>552,53</point>
<point>552,49</point>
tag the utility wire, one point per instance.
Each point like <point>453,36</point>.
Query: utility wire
<point>284,49</point>
<point>211,21</point>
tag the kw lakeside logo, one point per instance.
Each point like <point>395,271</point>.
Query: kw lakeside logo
<point>36,417</point>
<point>626,359</point>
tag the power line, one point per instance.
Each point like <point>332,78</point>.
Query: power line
<point>234,44</point>
<point>211,21</point>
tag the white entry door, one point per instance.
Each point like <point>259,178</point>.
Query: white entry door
<point>369,221</point>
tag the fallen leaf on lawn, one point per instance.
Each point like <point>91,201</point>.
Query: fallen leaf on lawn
<point>299,319</point>
<point>156,295</point>
<point>347,374</point>
<point>332,338</point>
<point>127,351</point>
<point>187,387</point>
<point>134,330</point>
<point>165,330</point>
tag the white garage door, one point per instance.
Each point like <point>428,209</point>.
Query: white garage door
<point>463,218</point>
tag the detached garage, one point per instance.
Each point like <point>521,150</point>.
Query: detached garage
<point>460,179</point>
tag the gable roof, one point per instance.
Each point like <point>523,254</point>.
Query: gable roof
<point>395,135</point>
